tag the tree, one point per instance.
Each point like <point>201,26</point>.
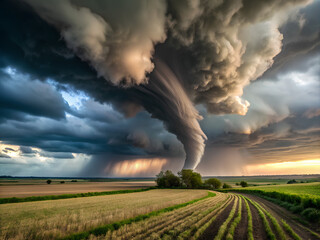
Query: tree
<point>167,180</point>
<point>292,181</point>
<point>62,182</point>
<point>226,186</point>
<point>243,184</point>
<point>49,181</point>
<point>213,183</point>
<point>190,179</point>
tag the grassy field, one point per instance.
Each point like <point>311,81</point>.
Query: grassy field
<point>37,188</point>
<point>267,180</point>
<point>298,188</point>
<point>52,219</point>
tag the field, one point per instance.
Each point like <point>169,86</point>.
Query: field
<point>56,218</point>
<point>299,188</point>
<point>162,214</point>
<point>268,180</point>
<point>303,198</point>
<point>41,188</point>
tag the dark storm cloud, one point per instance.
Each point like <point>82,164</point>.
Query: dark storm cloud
<point>301,40</point>
<point>17,94</point>
<point>27,151</point>
<point>292,138</point>
<point>212,50</point>
<point>57,155</point>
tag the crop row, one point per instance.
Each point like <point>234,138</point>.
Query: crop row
<point>265,215</point>
<point>306,205</point>
<point>183,223</point>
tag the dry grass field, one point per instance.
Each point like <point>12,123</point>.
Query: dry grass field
<point>56,218</point>
<point>43,189</point>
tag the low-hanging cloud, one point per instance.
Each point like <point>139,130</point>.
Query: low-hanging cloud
<point>211,51</point>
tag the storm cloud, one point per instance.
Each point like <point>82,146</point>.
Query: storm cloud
<point>175,61</point>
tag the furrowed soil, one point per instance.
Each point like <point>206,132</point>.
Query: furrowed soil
<point>241,230</point>
<point>281,213</point>
<point>213,229</point>
<point>258,228</point>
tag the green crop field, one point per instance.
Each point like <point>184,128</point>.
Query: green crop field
<point>303,198</point>
<point>299,188</point>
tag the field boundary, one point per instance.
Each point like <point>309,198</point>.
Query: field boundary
<point>67,196</point>
<point>116,225</point>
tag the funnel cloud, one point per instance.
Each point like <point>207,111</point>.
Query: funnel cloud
<point>156,79</point>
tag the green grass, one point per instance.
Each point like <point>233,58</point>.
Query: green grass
<point>298,188</point>
<point>66,196</point>
<point>116,225</point>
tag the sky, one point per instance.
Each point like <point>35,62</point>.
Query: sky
<point>129,88</point>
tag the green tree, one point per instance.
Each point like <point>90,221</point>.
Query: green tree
<point>213,183</point>
<point>292,181</point>
<point>226,186</point>
<point>243,184</point>
<point>49,181</point>
<point>190,179</point>
<point>167,180</point>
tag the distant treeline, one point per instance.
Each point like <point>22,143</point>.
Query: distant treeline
<point>187,178</point>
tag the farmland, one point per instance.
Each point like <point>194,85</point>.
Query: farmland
<point>300,188</point>
<point>154,214</point>
<point>51,219</point>
<point>26,188</point>
<point>302,199</point>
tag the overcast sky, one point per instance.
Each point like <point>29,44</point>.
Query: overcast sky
<point>123,88</point>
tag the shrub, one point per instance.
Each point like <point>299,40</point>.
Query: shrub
<point>49,181</point>
<point>312,214</point>
<point>243,184</point>
<point>226,186</point>
<point>213,183</point>
<point>62,182</point>
<point>237,183</point>
<point>291,181</point>
<point>73,180</point>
